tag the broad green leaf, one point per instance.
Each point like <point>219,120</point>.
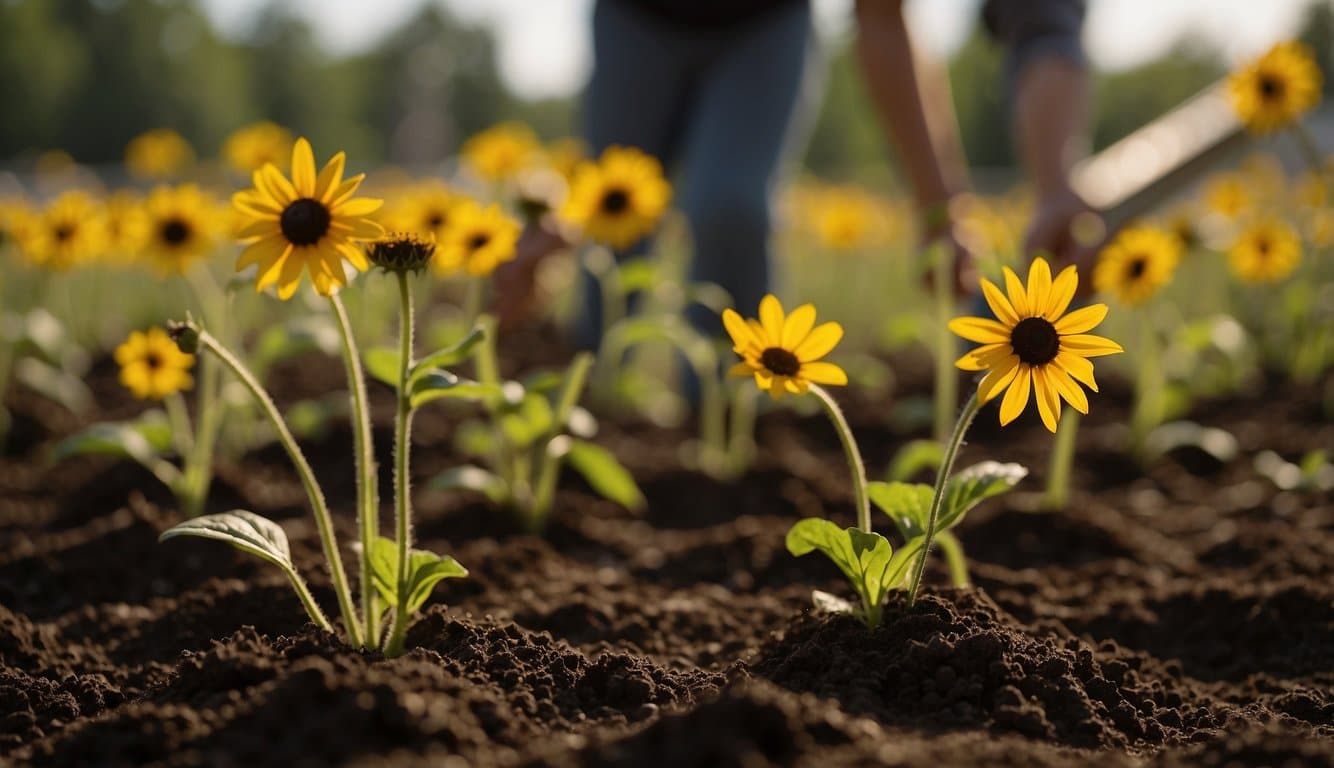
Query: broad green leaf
<point>242,529</point>
<point>866,559</point>
<point>475,438</point>
<point>54,384</point>
<point>971,486</point>
<point>530,421</point>
<point>425,570</point>
<point>450,355</point>
<point>907,504</point>
<point>310,418</point>
<point>1173,435</point>
<point>600,469</point>
<point>830,603</point>
<point>470,478</point>
<point>917,456</point>
<point>381,363</point>
<point>434,385</point>
<point>120,440</point>
<point>542,381</point>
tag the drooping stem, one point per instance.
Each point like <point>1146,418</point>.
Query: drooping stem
<point>323,521</point>
<point>850,452</point>
<point>402,447</point>
<point>368,498</point>
<point>947,381</point>
<point>938,497</point>
<point>1062,460</point>
<point>308,600</point>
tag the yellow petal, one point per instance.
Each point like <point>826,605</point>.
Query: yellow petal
<point>742,368</point>
<point>271,182</point>
<point>771,318</point>
<point>330,177</point>
<point>1062,292</point>
<point>1081,320</point>
<point>303,169</point>
<point>1001,376</point>
<point>1049,404</point>
<point>984,357</point>
<point>290,279</point>
<point>251,202</point>
<point>1016,397</point>
<point>264,252</point>
<point>270,271</point>
<point>1085,345</point>
<point>1067,388</point>
<point>1080,370</point>
<point>980,329</point>
<point>1039,285</point>
<point>358,206</point>
<point>738,329</point>
<point>795,386</point>
<point>819,342</point>
<point>1018,298</point>
<point>776,388</point>
<point>354,255</point>
<point>797,326</point>
<point>344,190</point>
<point>259,228</point>
<point>358,229</point>
<point>757,331</point>
<point>824,373</point>
<point>1000,306</point>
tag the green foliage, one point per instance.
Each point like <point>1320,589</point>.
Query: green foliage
<point>143,440</point>
<point>867,560</point>
<point>425,570</point>
<point>470,478</point>
<point>603,473</point>
<point>915,457</point>
<point>909,504</point>
<point>242,529</point>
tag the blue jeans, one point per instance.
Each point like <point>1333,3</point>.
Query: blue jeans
<point>722,105</point>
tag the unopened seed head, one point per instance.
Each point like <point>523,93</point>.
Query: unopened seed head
<point>185,334</point>
<point>401,252</point>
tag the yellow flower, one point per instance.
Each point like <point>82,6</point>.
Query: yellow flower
<point>1137,263</point>
<point>310,223</point>
<point>846,218</point>
<point>254,146</point>
<point>179,225</point>
<point>1226,195</point>
<point>71,230</point>
<point>423,209</point>
<point>619,199</point>
<point>782,351</point>
<point>501,150</point>
<point>477,240</point>
<point>158,154</point>
<point>1320,227</point>
<point>1034,345</point>
<point>1312,190</point>
<point>152,366</point>
<point>565,155</point>
<point>1275,90</point>
<point>1268,251</point>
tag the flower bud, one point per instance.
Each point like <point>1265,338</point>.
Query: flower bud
<point>401,252</point>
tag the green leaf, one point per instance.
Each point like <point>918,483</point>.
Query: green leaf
<point>638,275</point>
<point>474,438</point>
<point>425,570</point>
<point>54,384</point>
<point>600,468</point>
<point>976,484</point>
<point>451,355</point>
<point>907,504</point>
<point>866,559</point>
<point>242,529</point>
<point>543,381</point>
<point>434,385</point>
<point>122,440</point>
<point>470,478</point>
<point>531,420</point>
<point>917,456</point>
<point>381,363</point>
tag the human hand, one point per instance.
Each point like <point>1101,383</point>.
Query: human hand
<point>1068,231</point>
<point>514,283</point>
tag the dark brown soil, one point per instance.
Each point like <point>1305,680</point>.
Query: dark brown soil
<point>1183,615</point>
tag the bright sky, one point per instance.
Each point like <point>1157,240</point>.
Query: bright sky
<point>544,44</point>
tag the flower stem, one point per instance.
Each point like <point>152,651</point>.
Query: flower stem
<point>1062,459</point>
<point>368,503</point>
<point>938,498</point>
<point>947,379</point>
<point>323,521</point>
<point>850,452</point>
<point>402,446</point>
<point>548,466</point>
<point>308,600</point>
<point>474,300</point>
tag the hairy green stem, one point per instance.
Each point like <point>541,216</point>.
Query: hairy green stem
<point>323,520</point>
<point>308,600</point>
<point>368,501</point>
<point>942,478</point>
<point>402,482</point>
<point>488,373</point>
<point>1057,494</point>
<point>850,452</point>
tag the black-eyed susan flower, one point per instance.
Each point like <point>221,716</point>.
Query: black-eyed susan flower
<point>1226,195</point>
<point>401,252</point>
<point>501,151</point>
<point>158,154</point>
<point>1136,264</point>
<point>152,366</point>
<point>254,146</point>
<point>179,225</point>
<point>1276,89</point>
<point>423,208</point>
<point>308,223</point>
<point>783,351</point>
<point>1267,252</point>
<point>69,231</point>
<point>844,218</point>
<point>1035,346</point>
<point>619,199</point>
<point>477,240</point>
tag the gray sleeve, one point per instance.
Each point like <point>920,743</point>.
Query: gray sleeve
<point>1034,29</point>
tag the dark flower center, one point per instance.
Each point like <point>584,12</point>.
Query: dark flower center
<point>401,252</point>
<point>780,361</point>
<point>174,232</point>
<point>64,232</point>
<point>305,221</point>
<point>1135,269</point>
<point>154,361</point>
<point>615,201</point>
<point>435,219</point>
<point>478,241</point>
<point>1271,88</point>
<point>1035,341</point>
